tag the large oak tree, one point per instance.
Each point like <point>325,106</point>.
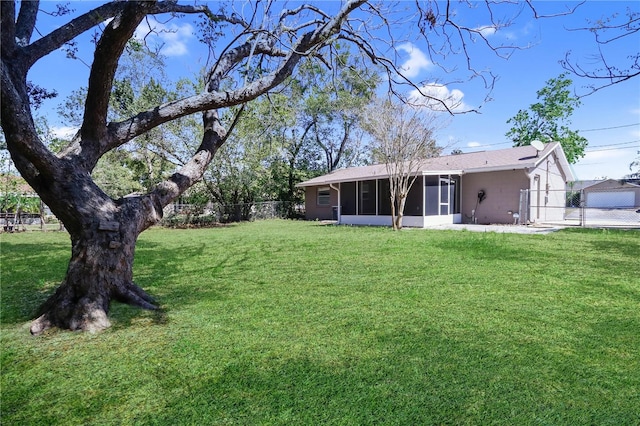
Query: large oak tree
<point>255,51</point>
<point>104,230</point>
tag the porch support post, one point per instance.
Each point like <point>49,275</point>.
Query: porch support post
<point>424,202</point>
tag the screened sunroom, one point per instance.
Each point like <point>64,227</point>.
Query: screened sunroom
<point>432,200</point>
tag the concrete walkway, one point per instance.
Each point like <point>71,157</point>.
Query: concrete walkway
<point>513,229</point>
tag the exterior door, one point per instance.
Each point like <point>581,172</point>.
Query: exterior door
<point>444,196</point>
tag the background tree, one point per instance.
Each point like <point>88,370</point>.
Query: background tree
<point>140,83</point>
<point>635,169</point>
<point>309,126</point>
<point>290,158</point>
<point>548,120</point>
<point>332,105</point>
<point>239,175</point>
<point>271,155</point>
<point>401,141</point>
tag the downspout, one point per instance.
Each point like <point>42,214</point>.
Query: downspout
<point>337,189</point>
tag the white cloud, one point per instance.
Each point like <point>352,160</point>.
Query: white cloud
<point>434,95</point>
<point>474,144</point>
<point>63,132</point>
<point>416,63</point>
<point>171,38</point>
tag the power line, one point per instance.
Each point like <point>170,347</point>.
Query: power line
<point>490,144</point>
<point>610,128</point>
<point>481,147</point>
<point>605,149</point>
<point>616,144</point>
<point>610,149</point>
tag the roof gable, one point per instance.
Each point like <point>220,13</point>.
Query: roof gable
<point>608,184</point>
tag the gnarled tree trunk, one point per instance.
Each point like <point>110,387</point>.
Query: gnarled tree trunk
<point>103,237</point>
<point>100,269</point>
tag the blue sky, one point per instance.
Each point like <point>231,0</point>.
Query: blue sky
<point>609,119</point>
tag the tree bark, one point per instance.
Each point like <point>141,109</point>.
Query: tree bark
<point>100,269</point>
<point>103,237</point>
<point>393,211</point>
<point>400,214</point>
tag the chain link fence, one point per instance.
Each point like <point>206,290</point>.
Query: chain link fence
<point>601,207</point>
<point>187,215</point>
<point>613,207</point>
<point>175,216</point>
<point>20,221</point>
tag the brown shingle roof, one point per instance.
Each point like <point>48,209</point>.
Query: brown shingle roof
<point>475,162</point>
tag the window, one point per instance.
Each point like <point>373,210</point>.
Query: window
<point>324,196</point>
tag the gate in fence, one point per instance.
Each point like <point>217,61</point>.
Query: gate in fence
<point>603,207</point>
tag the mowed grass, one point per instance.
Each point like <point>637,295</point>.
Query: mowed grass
<point>295,323</point>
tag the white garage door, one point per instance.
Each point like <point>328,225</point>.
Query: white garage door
<point>611,199</point>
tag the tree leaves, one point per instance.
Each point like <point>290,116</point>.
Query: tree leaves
<point>548,120</point>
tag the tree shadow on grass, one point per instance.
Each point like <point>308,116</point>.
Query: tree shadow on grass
<point>620,259</point>
<point>628,249</point>
<point>186,276</point>
<point>32,272</point>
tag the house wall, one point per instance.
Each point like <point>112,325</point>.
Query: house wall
<point>383,220</point>
<point>502,191</point>
<point>547,196</point>
<point>313,211</point>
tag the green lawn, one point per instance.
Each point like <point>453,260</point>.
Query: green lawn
<point>295,323</point>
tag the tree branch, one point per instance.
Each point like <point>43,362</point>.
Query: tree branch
<point>85,22</point>
<point>606,74</point>
<point>126,130</point>
<point>68,32</point>
<point>7,35</point>
<point>26,22</point>
<point>30,155</point>
<point>215,135</point>
<point>107,54</point>
<point>309,42</point>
